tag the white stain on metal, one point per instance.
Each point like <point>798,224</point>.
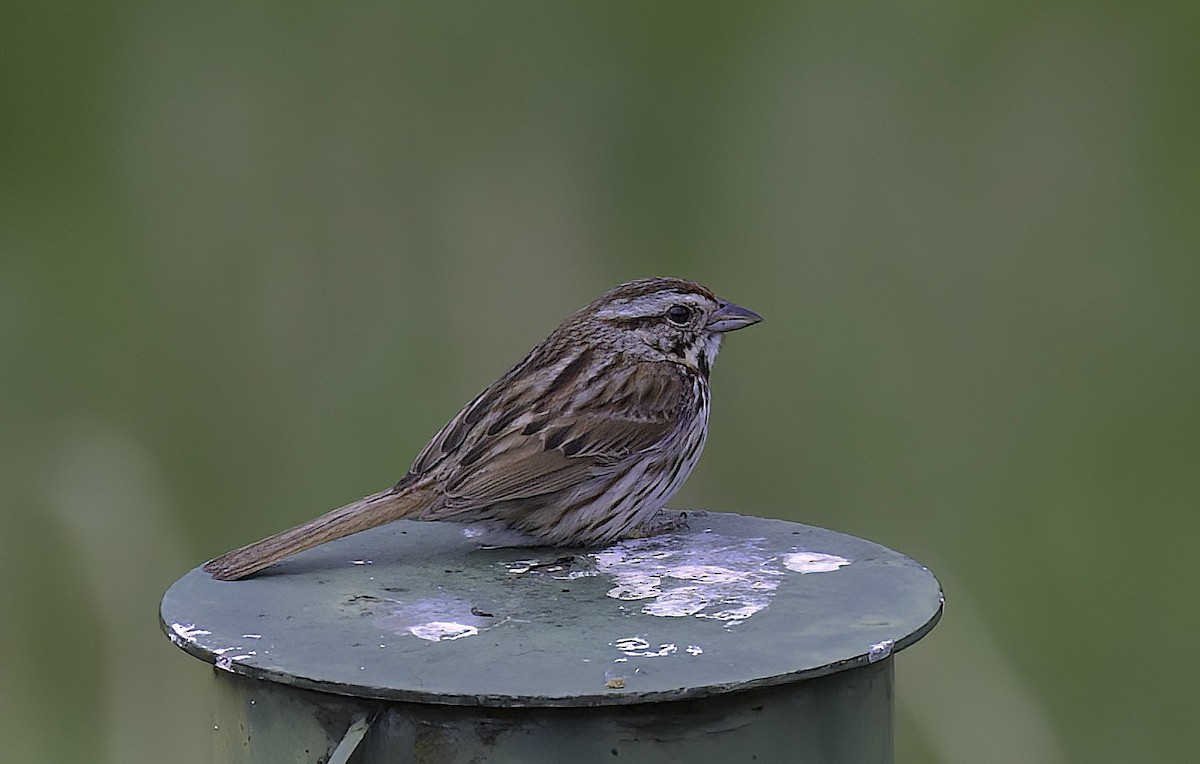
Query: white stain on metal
<point>186,632</point>
<point>521,566</point>
<point>435,620</point>
<point>880,650</point>
<point>813,562</point>
<point>225,662</point>
<point>436,631</point>
<point>698,575</point>
<point>638,647</point>
<point>182,633</point>
<point>707,576</point>
<point>641,647</point>
<point>704,576</point>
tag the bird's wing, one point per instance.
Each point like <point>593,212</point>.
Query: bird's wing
<point>555,450</point>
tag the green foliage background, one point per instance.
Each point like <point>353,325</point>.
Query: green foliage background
<point>253,254</point>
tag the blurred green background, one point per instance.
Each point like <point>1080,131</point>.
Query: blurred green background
<point>252,255</point>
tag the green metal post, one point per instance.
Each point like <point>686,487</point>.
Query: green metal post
<point>739,639</point>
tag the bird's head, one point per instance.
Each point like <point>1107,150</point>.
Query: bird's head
<point>664,319</point>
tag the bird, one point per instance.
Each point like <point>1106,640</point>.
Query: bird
<point>580,444</point>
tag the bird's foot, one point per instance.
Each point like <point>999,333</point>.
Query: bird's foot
<point>665,521</point>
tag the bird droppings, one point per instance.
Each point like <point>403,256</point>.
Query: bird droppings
<point>880,650</point>
<point>186,633</point>
<point>638,647</point>
<point>813,562</point>
<point>225,662</point>
<point>668,614</point>
<point>701,575</point>
<point>182,633</point>
<point>435,620</point>
<point>436,631</point>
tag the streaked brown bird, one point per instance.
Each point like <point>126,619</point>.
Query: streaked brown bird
<point>579,444</point>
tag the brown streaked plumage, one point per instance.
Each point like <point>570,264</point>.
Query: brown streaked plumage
<point>580,443</point>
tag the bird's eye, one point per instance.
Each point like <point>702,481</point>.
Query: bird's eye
<point>679,314</point>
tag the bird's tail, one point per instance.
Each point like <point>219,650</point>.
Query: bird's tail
<point>368,512</point>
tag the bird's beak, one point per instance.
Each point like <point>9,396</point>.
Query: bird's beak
<point>728,317</point>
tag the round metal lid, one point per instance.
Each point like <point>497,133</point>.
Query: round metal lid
<point>417,612</point>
